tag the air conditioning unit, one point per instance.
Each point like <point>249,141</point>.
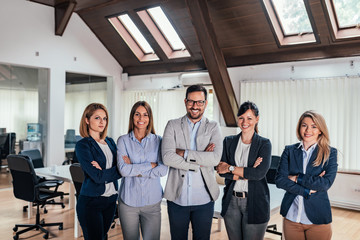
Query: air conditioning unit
<point>188,79</point>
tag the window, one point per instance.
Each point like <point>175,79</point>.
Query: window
<point>344,16</point>
<point>166,28</point>
<point>290,21</point>
<point>347,13</point>
<point>160,28</point>
<point>133,37</point>
<point>163,32</point>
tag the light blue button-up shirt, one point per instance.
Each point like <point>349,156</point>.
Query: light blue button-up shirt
<point>193,190</point>
<point>296,211</point>
<point>140,183</point>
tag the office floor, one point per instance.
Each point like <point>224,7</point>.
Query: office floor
<point>346,223</point>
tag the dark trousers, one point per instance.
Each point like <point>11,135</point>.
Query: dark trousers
<point>200,217</point>
<point>95,215</point>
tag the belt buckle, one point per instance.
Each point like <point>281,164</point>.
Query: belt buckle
<point>239,194</point>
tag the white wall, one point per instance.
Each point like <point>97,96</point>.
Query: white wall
<point>345,191</point>
<point>27,28</point>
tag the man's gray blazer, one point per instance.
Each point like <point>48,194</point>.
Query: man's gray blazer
<point>176,135</point>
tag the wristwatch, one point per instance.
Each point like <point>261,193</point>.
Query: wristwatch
<point>231,168</point>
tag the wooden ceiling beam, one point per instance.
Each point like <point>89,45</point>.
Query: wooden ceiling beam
<point>321,23</point>
<point>165,67</point>
<point>330,51</point>
<point>214,60</point>
<point>63,12</point>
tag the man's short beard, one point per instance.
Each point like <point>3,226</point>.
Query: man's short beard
<point>198,116</point>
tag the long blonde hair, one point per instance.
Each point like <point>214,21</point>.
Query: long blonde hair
<point>323,139</point>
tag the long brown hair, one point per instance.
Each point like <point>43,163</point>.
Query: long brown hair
<point>88,112</point>
<point>150,128</point>
<point>323,139</point>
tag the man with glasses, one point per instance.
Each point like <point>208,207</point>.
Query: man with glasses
<point>191,147</point>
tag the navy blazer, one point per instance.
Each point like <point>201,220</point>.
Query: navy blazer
<point>88,150</point>
<point>317,205</point>
<point>258,201</point>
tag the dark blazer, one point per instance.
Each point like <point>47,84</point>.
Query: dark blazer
<point>88,150</point>
<point>258,201</point>
<point>317,205</point>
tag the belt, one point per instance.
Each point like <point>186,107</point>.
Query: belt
<point>240,194</point>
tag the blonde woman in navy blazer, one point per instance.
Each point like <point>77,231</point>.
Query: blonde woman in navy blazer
<point>97,155</point>
<point>306,171</point>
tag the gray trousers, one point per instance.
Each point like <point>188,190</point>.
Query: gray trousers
<point>147,218</point>
<point>236,219</point>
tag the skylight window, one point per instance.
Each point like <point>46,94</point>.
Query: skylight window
<point>347,13</point>
<point>163,32</point>
<point>344,16</point>
<point>133,37</point>
<point>292,16</point>
<point>135,33</point>
<point>166,28</point>
<point>290,22</point>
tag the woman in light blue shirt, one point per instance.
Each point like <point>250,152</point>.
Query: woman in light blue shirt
<point>139,162</point>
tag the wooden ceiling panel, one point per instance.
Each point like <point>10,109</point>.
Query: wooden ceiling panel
<point>241,28</point>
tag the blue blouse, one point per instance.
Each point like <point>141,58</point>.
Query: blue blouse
<point>140,185</point>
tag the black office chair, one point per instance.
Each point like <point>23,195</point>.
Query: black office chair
<point>270,177</point>
<point>26,187</point>
<point>70,142</point>
<point>8,147</point>
<point>37,161</point>
<point>77,176</point>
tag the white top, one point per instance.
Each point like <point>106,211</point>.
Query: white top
<point>241,160</point>
<point>109,187</point>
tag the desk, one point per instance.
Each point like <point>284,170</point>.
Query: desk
<point>62,173</point>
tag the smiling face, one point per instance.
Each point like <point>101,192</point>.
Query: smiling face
<point>309,132</point>
<point>141,118</point>
<point>193,105</point>
<point>247,121</point>
<point>97,122</point>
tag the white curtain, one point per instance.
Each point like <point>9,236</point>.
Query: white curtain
<point>18,107</point>
<point>165,105</point>
<point>282,102</point>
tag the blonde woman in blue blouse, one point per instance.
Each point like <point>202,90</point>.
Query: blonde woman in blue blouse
<point>139,162</point>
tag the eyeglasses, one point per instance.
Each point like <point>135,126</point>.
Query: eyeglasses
<point>199,103</point>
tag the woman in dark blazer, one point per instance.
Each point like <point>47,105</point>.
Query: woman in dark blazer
<point>245,161</point>
<point>306,171</point>
<point>97,155</point>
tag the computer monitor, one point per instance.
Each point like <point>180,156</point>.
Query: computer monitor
<point>34,132</point>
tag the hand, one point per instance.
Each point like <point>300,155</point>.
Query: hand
<point>293,178</point>
<point>126,159</point>
<point>257,162</point>
<point>312,192</point>
<point>210,147</point>
<point>96,164</point>
<point>322,174</point>
<point>180,152</point>
<point>153,165</point>
<point>222,167</point>
<point>236,177</point>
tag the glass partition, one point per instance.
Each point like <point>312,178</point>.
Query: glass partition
<point>23,94</point>
<point>81,90</point>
